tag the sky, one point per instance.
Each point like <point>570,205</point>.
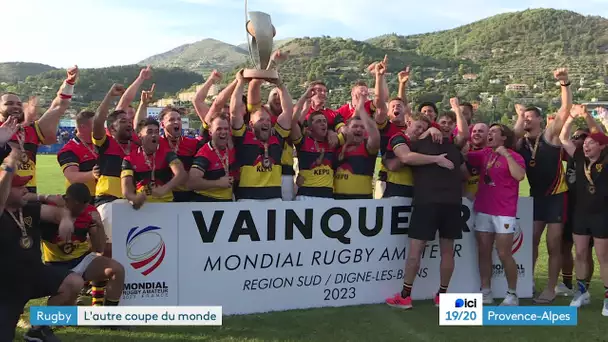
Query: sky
<point>100,33</point>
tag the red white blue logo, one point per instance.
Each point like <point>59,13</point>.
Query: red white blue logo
<point>145,248</point>
<point>518,239</point>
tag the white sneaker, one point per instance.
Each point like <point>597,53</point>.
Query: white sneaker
<point>580,299</point>
<point>605,308</point>
<point>563,290</point>
<point>487,297</point>
<point>510,300</point>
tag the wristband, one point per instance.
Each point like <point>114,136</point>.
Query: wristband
<point>7,168</point>
<point>565,84</point>
<point>67,90</point>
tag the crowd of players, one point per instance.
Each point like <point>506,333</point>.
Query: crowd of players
<point>246,153</point>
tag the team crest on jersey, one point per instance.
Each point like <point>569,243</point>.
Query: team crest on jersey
<point>497,164</point>
<point>474,171</point>
<point>506,226</point>
<point>599,167</point>
<point>28,221</point>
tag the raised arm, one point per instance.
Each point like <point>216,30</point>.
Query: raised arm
<point>518,128</point>
<point>373,140</point>
<point>564,137</point>
<point>556,126</point>
<point>581,110</point>
<point>131,92</point>
<point>222,99</point>
<point>381,87</point>
<point>237,108</point>
<point>99,121</point>
<point>49,122</point>
<point>285,118</point>
<point>7,170</point>
<point>299,110</point>
<point>200,106</point>
<point>142,109</point>
<point>461,123</point>
<point>403,77</point>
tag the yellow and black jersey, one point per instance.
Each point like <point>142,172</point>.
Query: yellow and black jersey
<point>545,172</point>
<point>111,154</point>
<point>78,153</point>
<point>57,251</point>
<point>211,162</point>
<point>260,163</point>
<point>31,137</point>
<point>472,183</point>
<point>316,166</point>
<point>399,183</point>
<point>355,172</point>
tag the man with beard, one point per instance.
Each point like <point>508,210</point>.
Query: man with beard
<point>565,288</point>
<point>25,277</point>
<point>436,203</point>
<point>360,89</point>
<point>317,104</point>
<point>215,168</point>
<point>542,151</point>
<point>112,149</point>
<point>479,138</point>
<point>40,132</point>
<point>429,109</point>
<point>259,145</point>
<point>151,172</point>
<point>316,156</point>
<point>185,147</point>
<point>78,157</point>
<point>591,212</point>
<point>398,175</point>
<point>357,158</point>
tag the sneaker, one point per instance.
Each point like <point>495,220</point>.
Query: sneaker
<point>436,300</point>
<point>399,302</point>
<point>605,308</point>
<point>580,299</point>
<point>488,298</point>
<point>510,300</point>
<point>563,290</point>
<point>41,334</point>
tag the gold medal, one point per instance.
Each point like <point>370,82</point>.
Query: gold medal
<point>591,184</point>
<point>591,189</point>
<point>24,158</point>
<point>67,248</point>
<point>532,163</point>
<point>266,161</point>
<point>534,149</point>
<point>25,242</point>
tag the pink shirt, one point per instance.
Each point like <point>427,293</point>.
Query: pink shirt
<point>499,198</point>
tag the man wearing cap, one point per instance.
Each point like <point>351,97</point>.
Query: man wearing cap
<point>591,211</point>
<point>25,277</point>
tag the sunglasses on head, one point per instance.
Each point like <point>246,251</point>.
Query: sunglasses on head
<point>579,136</point>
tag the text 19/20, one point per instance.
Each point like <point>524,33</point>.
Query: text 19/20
<point>461,315</point>
<point>340,293</point>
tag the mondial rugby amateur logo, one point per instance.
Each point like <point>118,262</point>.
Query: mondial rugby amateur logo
<point>518,241</point>
<point>146,249</point>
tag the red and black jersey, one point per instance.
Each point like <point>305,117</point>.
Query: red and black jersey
<point>347,111</point>
<point>185,148</point>
<point>54,248</point>
<point>387,130</point>
<point>136,165</point>
<point>211,162</point>
<point>31,137</point>
<point>316,163</point>
<point>399,183</point>
<point>80,154</point>
<point>334,120</point>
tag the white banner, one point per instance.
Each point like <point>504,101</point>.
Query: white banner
<point>252,257</point>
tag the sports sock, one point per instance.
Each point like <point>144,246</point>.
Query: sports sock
<point>512,292</point>
<point>581,285</point>
<point>407,290</point>
<point>98,292</point>
<point>605,291</point>
<point>443,289</point>
<point>588,283</point>
<point>567,279</point>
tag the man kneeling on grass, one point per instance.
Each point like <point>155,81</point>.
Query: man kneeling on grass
<point>74,254</point>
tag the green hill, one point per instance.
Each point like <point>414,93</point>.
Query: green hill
<point>19,71</point>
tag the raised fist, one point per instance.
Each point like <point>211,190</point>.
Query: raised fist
<point>404,75</point>
<point>117,90</point>
<point>561,75</point>
<point>455,103</point>
<point>146,73</point>
<point>215,76</point>
<point>73,74</point>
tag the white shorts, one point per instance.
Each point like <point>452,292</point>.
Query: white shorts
<point>105,212</point>
<point>379,189</point>
<point>495,224</point>
<point>84,264</point>
<point>287,187</point>
<point>311,198</point>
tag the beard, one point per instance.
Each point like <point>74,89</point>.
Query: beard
<point>19,114</point>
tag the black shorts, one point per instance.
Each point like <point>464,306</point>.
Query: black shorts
<point>427,219</point>
<point>17,291</point>
<point>551,209</point>
<point>594,225</point>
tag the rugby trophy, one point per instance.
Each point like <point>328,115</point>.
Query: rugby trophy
<point>260,41</point>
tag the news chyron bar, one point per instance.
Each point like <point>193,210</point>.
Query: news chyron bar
<point>125,315</point>
<point>461,309</point>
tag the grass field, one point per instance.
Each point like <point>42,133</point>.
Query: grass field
<point>354,323</point>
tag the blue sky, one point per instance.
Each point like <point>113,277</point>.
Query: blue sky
<point>114,32</point>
